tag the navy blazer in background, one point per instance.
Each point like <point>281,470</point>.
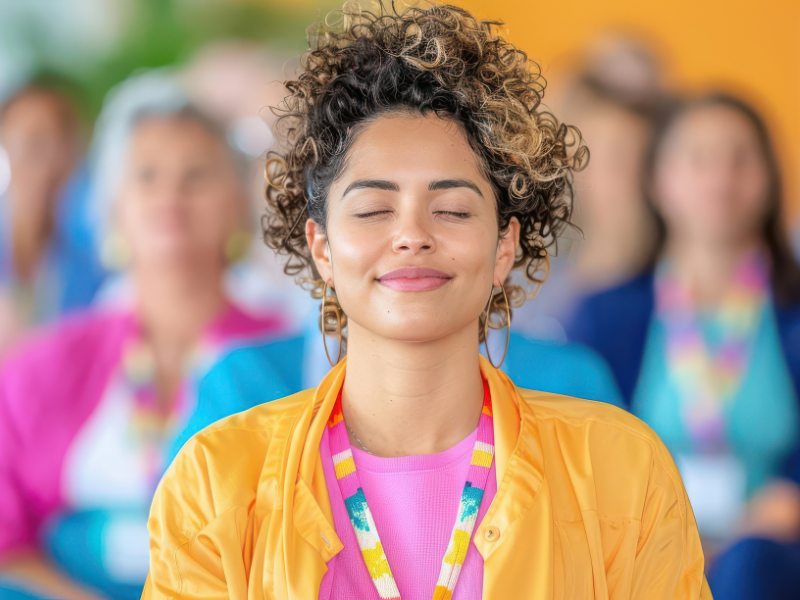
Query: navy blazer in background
<point>616,322</point>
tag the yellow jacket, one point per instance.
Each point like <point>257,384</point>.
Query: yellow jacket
<point>589,504</point>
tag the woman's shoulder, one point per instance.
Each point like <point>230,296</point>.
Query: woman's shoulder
<point>600,417</point>
<point>237,449</point>
<point>236,323</point>
<point>66,348</point>
<point>598,428</point>
<point>579,412</point>
<point>54,378</point>
<point>90,327</point>
<point>222,446</point>
<point>600,442</point>
<point>262,418</point>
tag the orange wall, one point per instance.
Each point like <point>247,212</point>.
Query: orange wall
<point>747,46</point>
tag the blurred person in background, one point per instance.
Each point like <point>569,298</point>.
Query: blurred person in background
<point>48,263</point>
<point>612,100</point>
<point>236,81</point>
<point>90,408</point>
<point>705,343</point>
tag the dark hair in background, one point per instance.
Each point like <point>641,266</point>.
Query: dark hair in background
<point>785,268</point>
<point>56,86</point>
<point>645,106</point>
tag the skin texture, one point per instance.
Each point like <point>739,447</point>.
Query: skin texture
<point>413,381</point>
<point>711,185</point>
<point>180,201</point>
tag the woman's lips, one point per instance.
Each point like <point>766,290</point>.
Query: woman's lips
<point>414,279</point>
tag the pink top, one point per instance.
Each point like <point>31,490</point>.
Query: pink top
<point>56,400</point>
<point>414,501</point>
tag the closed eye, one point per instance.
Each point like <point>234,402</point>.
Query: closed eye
<point>376,213</point>
<point>460,215</point>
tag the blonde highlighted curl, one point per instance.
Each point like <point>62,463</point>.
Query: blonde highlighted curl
<point>435,59</point>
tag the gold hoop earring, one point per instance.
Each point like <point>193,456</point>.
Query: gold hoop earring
<point>486,327</point>
<point>237,246</point>
<point>330,314</point>
<point>115,252</point>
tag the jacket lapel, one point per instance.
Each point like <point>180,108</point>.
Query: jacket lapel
<point>309,537</point>
<point>509,560</point>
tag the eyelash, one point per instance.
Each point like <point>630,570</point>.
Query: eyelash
<point>461,215</point>
<point>372,214</point>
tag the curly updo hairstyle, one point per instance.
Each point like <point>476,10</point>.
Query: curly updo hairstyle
<point>438,59</point>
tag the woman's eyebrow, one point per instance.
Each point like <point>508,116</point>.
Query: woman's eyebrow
<point>376,184</point>
<point>446,184</point>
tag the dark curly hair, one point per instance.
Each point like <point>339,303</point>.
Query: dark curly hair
<point>441,60</point>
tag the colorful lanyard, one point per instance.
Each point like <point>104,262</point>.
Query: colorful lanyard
<point>151,428</point>
<point>708,362</point>
<point>364,526</point>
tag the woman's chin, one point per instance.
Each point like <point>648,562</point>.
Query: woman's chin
<point>170,257</point>
<point>415,331</point>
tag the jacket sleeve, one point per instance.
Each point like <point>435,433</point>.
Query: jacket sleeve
<point>669,561</point>
<point>197,534</point>
<point>18,522</point>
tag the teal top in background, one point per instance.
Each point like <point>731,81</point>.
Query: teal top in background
<point>253,376</point>
<point>762,421</point>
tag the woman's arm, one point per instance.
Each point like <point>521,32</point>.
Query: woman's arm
<point>669,563</point>
<point>34,574</point>
<point>195,553</point>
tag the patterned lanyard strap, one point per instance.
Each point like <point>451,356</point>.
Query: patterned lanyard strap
<point>364,526</point>
<point>707,364</point>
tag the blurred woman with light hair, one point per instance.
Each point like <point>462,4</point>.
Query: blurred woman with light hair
<point>90,409</point>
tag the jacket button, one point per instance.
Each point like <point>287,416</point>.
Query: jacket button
<point>492,534</point>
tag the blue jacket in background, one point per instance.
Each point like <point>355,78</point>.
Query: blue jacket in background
<point>616,322</point>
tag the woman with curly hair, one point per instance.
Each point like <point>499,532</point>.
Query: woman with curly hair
<point>418,176</point>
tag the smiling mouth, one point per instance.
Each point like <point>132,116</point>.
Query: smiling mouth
<point>414,279</point>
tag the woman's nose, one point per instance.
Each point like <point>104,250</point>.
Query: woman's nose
<point>412,237</point>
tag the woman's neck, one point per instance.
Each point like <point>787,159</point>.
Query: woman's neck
<point>708,267</point>
<point>403,398</point>
<point>173,307</point>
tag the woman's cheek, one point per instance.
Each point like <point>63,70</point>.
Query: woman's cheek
<point>354,253</point>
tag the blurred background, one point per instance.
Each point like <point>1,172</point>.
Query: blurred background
<point>132,144</point>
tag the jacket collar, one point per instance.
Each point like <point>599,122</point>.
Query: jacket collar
<point>518,456</point>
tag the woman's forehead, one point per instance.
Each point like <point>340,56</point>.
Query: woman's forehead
<point>411,145</point>
<point>173,137</point>
<point>713,124</point>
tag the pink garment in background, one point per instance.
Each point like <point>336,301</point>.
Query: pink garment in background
<point>414,501</point>
<point>50,387</point>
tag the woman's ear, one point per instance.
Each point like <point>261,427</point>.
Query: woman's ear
<point>318,243</point>
<point>506,252</point>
